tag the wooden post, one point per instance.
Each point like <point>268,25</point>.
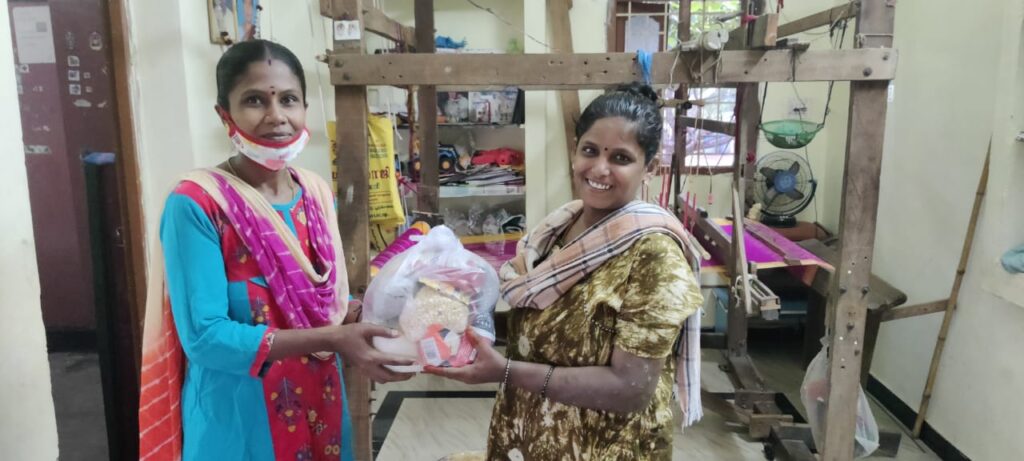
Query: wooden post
<point>561,39</point>
<point>429,187</point>
<point>575,71</point>
<point>965,255</point>
<point>352,162</point>
<point>127,167</point>
<point>682,94</point>
<point>848,293</point>
<point>746,141</point>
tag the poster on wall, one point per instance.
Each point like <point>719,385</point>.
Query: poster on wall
<point>233,20</point>
<point>33,34</point>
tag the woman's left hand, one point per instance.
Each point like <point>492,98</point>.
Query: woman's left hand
<point>489,366</point>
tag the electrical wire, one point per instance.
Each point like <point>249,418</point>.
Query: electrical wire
<point>509,24</point>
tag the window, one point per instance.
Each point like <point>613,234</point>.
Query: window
<point>708,152</point>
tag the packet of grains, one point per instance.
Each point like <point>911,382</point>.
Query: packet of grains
<point>431,294</point>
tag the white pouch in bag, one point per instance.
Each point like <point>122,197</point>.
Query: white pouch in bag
<point>814,395</point>
<point>431,293</point>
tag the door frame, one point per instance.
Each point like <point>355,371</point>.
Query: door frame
<point>128,173</point>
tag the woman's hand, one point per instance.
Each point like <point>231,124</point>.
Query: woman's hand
<point>489,366</point>
<point>355,312</point>
<point>355,344</point>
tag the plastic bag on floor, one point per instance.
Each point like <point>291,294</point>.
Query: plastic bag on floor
<point>814,395</point>
<point>432,293</point>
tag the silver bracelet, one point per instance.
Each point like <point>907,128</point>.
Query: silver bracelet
<point>508,370</point>
<point>547,379</point>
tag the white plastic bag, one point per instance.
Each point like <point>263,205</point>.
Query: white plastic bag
<point>431,293</point>
<point>814,395</point>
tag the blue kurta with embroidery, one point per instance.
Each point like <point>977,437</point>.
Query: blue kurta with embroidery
<point>235,404</point>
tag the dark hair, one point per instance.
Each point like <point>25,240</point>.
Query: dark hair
<point>235,61</point>
<point>637,103</point>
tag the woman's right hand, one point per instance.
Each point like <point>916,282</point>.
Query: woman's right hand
<point>355,344</point>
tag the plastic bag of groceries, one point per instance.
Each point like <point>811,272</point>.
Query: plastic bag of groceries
<point>431,293</point>
<point>814,395</point>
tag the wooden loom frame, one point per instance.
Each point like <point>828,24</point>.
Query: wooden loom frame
<point>868,67</point>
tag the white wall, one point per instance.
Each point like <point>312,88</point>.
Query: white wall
<point>28,428</point>
<point>951,96</point>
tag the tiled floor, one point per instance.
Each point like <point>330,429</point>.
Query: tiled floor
<point>436,418</point>
<point>428,418</point>
<point>78,400</point>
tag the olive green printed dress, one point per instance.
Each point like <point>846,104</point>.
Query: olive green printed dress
<point>636,302</point>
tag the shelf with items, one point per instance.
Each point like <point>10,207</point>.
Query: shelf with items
<point>482,191</point>
<point>481,164</point>
<point>520,126</point>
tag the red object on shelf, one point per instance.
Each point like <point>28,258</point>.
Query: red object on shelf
<point>502,156</point>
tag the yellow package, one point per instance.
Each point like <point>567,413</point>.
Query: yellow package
<point>385,202</point>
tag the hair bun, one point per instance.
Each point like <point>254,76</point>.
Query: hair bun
<point>640,90</point>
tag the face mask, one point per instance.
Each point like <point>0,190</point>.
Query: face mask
<point>271,155</point>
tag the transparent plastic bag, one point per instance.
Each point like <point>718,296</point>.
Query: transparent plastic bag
<point>814,395</point>
<point>431,293</point>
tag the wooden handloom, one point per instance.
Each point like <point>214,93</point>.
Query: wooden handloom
<point>750,61</point>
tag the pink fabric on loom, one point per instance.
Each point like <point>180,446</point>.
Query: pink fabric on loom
<point>758,252</point>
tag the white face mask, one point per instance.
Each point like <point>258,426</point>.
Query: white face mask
<point>271,155</point>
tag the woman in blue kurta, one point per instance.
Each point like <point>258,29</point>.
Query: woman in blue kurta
<point>256,291</point>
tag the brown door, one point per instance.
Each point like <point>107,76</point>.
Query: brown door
<point>69,112</point>
<point>50,82</point>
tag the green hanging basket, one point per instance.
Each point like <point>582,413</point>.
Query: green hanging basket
<point>790,134</point>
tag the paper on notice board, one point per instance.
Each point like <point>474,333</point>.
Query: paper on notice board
<point>33,33</point>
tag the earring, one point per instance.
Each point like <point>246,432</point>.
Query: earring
<point>646,190</point>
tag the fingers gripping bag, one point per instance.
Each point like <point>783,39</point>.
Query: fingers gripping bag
<point>431,294</point>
